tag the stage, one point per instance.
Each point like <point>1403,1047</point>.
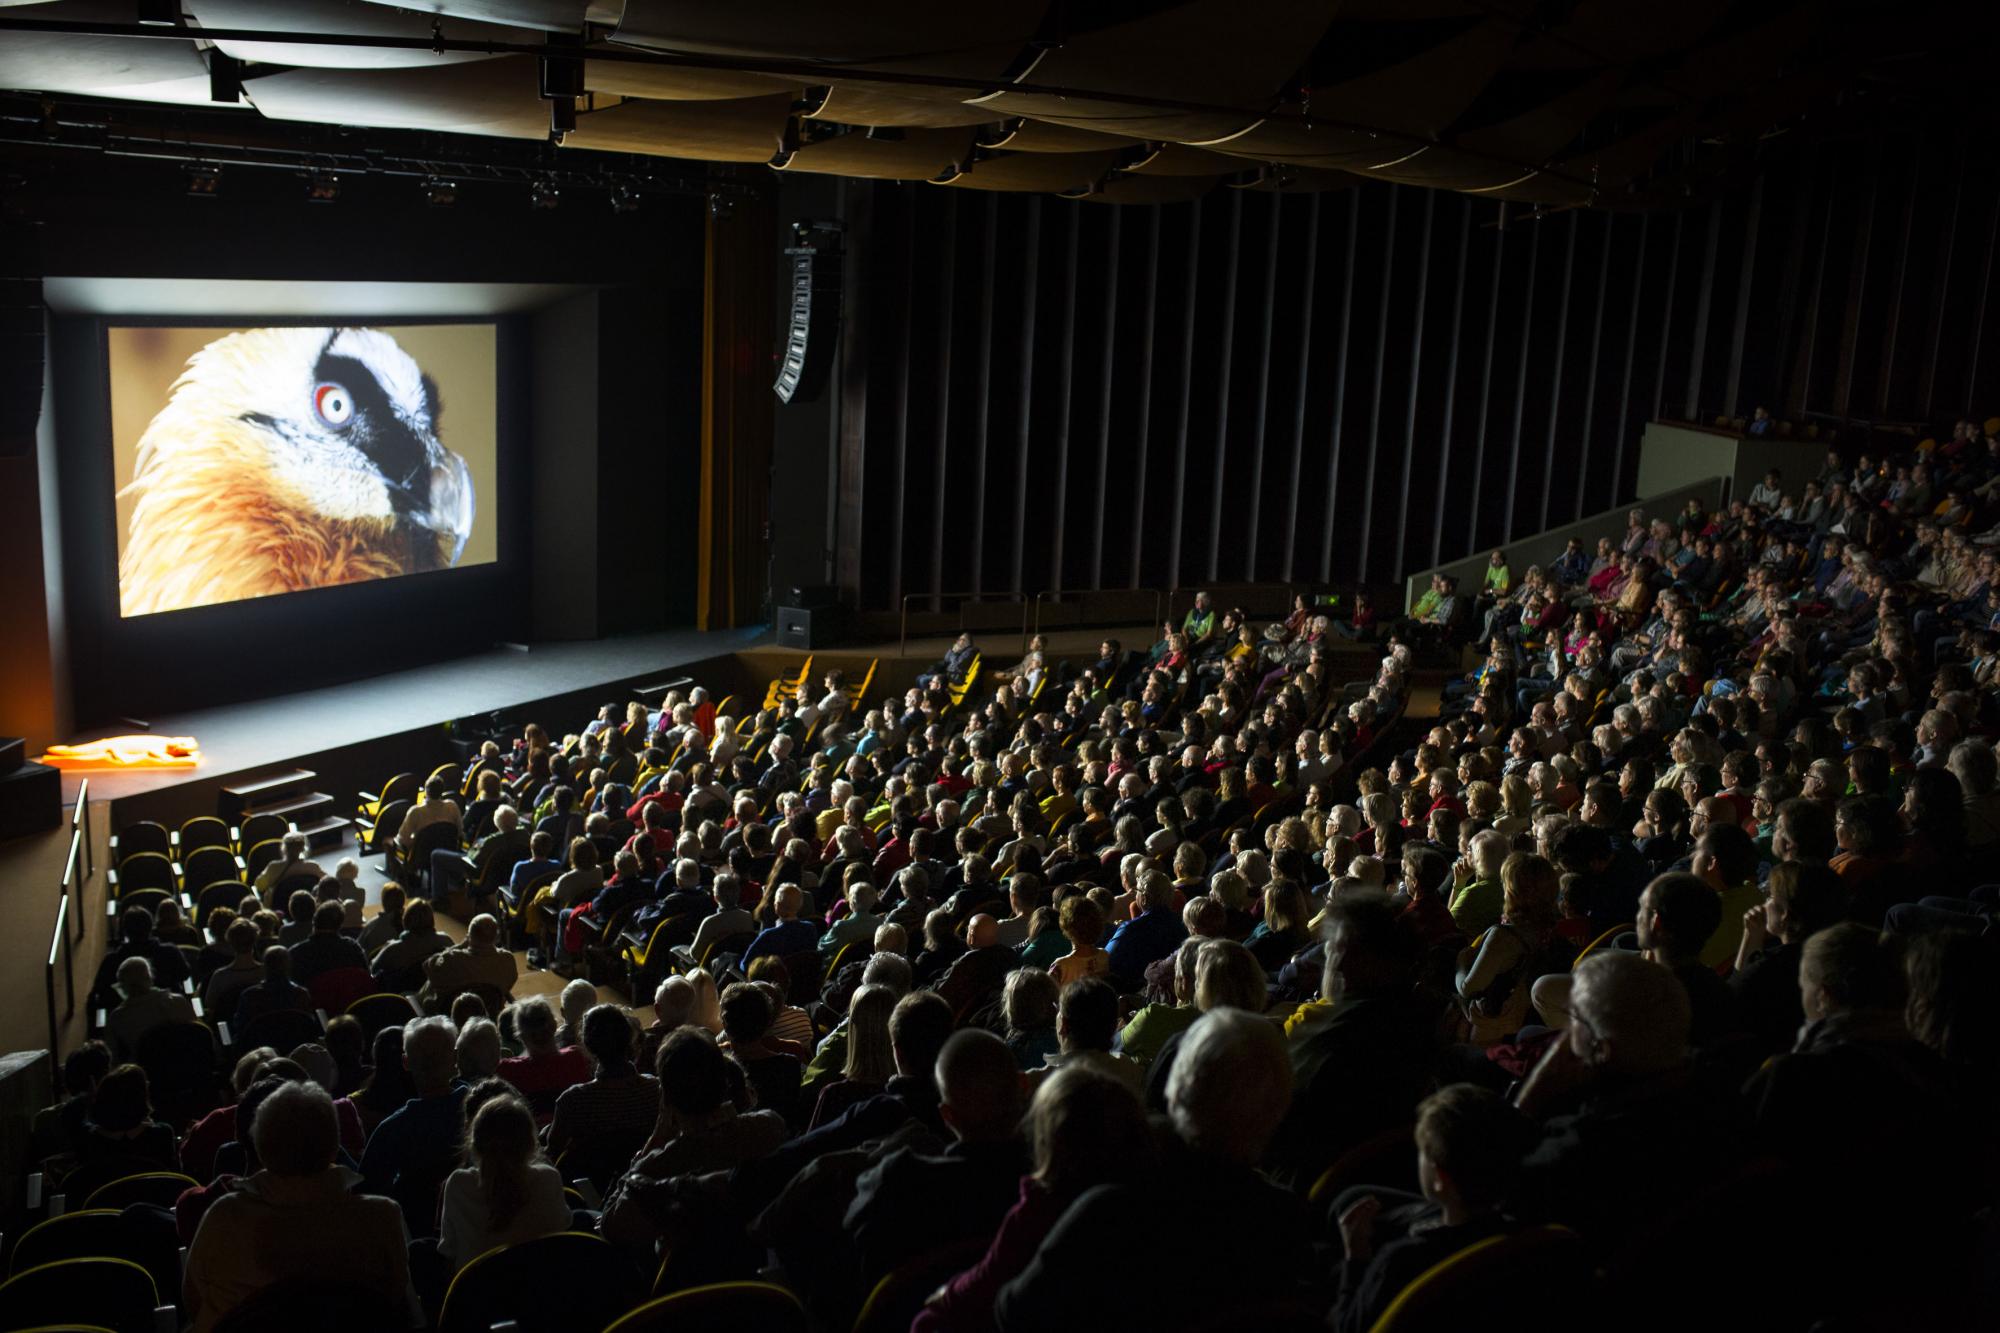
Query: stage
<point>362,715</point>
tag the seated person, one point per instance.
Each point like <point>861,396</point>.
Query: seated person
<point>144,1007</point>
<point>414,1149</point>
<point>605,1121</point>
<point>480,961</point>
<point>507,1193</point>
<point>1469,1148</point>
<point>543,1071</point>
<point>326,949</point>
<point>400,964</point>
<point>296,1218</point>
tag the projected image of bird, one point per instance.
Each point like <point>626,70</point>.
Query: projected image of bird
<point>288,459</point>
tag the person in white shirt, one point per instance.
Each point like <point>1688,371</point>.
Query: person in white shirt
<point>290,861</point>
<point>509,1194</point>
<point>145,1006</point>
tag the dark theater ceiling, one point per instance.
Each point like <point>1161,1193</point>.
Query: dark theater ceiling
<point>1554,103</point>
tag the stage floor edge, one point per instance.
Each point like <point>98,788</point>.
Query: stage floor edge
<point>260,733</point>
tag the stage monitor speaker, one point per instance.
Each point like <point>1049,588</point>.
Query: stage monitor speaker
<point>815,322</point>
<point>809,626</point>
<point>30,799</point>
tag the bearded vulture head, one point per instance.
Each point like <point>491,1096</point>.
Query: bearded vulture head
<point>289,459</point>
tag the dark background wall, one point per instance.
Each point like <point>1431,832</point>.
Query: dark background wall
<point>612,412</point>
<point>1350,386</point>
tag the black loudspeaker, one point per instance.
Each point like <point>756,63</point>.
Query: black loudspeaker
<point>809,626</point>
<point>30,794</point>
<point>815,322</point>
<point>22,330</point>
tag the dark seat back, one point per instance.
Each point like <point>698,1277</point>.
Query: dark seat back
<point>572,1280</point>
<point>99,1292</point>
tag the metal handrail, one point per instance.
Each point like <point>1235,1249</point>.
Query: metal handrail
<point>974,596</point>
<point>58,943</point>
<point>1164,600</point>
<point>1159,596</point>
<point>82,856</point>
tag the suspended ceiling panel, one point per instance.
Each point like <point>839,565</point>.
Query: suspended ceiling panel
<point>1173,55</point>
<point>1040,136</point>
<point>1052,172</point>
<point>852,102</point>
<point>748,129</point>
<point>1574,101</point>
<point>350,17</point>
<point>917,156</point>
<point>668,83</point>
<point>493,97</point>
<point>136,68</point>
<point>976,41</point>
<point>541,15</point>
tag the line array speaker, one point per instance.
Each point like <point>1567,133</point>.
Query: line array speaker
<point>815,322</point>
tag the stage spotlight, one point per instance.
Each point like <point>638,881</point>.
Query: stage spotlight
<point>322,187</point>
<point>543,194</point>
<point>160,13</point>
<point>886,133</point>
<point>440,193</point>
<point>203,180</point>
<point>225,78</point>
<point>624,199</point>
<point>721,207</point>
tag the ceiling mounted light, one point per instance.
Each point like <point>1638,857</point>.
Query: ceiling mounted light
<point>203,180</point>
<point>440,193</point>
<point>562,118</point>
<point>543,195</point>
<point>624,199</point>
<point>886,133</point>
<point>225,79</point>
<point>160,13</point>
<point>322,187</point>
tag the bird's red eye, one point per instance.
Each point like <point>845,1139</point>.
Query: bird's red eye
<point>332,403</point>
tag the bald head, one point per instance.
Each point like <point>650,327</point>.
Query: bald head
<point>982,932</point>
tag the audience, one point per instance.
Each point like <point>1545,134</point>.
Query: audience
<point>1676,915</point>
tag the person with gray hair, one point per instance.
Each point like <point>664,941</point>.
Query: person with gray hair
<point>857,927</point>
<point>145,1007</point>
<point>786,936</point>
<point>1230,1089</point>
<point>479,962</point>
<point>1618,1088</point>
<point>478,1050</point>
<point>291,862</point>
<point>728,921</point>
<point>298,1195</point>
<point>415,1148</point>
<point>1154,931</point>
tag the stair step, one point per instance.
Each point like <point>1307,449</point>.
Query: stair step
<point>240,797</point>
<point>299,809</point>
<point>325,832</point>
